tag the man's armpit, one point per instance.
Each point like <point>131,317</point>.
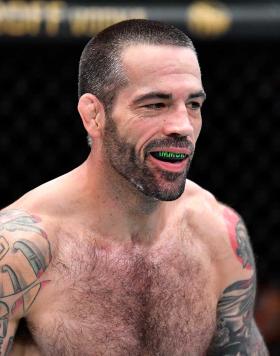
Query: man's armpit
<point>24,255</point>
<point>236,332</point>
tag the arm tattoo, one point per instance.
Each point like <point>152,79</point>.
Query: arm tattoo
<point>237,333</point>
<point>239,238</point>
<point>22,262</point>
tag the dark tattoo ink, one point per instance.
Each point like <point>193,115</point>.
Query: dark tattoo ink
<point>3,331</point>
<point>239,238</point>
<point>33,255</point>
<point>236,331</point>
<point>17,286</point>
<point>4,247</point>
<point>3,327</point>
<point>10,345</point>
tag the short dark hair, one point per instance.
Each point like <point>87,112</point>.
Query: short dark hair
<point>101,72</point>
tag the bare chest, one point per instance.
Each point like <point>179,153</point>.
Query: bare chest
<point>128,301</point>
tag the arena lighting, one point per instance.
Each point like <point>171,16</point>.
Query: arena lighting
<point>203,19</point>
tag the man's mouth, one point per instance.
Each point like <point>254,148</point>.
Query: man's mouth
<point>170,157</point>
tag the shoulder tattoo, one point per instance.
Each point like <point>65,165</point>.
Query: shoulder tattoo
<point>25,254</point>
<point>239,238</point>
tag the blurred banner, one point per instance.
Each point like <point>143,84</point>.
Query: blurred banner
<point>202,19</point>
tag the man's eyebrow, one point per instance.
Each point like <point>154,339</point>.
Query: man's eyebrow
<point>198,94</point>
<point>152,95</point>
<point>166,96</point>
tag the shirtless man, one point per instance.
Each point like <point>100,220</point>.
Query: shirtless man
<point>123,255</point>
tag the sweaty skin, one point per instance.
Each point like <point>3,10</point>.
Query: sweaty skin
<point>110,259</point>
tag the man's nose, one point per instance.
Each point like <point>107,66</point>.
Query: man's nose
<point>178,123</point>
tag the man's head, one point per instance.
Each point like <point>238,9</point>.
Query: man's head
<point>101,69</point>
<point>145,77</point>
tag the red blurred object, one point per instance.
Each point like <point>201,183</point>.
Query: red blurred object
<point>267,313</point>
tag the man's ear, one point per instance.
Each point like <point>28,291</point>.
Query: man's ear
<point>92,113</point>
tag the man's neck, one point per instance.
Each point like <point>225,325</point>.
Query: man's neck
<point>120,210</point>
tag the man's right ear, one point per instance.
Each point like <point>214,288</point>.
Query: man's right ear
<point>92,113</point>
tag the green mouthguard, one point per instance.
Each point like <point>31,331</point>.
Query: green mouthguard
<point>166,154</point>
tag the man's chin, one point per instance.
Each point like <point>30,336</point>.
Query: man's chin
<point>169,192</point>
<point>170,196</point>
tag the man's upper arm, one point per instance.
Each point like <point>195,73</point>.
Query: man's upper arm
<point>24,256</point>
<point>237,333</point>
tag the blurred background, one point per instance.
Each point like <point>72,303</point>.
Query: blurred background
<point>41,135</point>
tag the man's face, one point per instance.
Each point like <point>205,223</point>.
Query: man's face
<point>155,121</point>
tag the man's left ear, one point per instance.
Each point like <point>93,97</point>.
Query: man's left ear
<point>92,113</point>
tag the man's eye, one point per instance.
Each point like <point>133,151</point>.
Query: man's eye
<point>155,106</point>
<point>195,105</point>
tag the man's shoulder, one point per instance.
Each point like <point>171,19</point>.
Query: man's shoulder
<point>208,217</point>
<point>201,201</point>
<point>222,230</point>
<point>34,217</point>
<point>48,199</point>
<point>30,231</point>
<point>204,203</point>
<point>24,257</point>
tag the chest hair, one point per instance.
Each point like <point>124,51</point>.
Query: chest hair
<point>117,300</point>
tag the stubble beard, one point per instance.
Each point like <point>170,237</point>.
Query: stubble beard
<point>122,158</point>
